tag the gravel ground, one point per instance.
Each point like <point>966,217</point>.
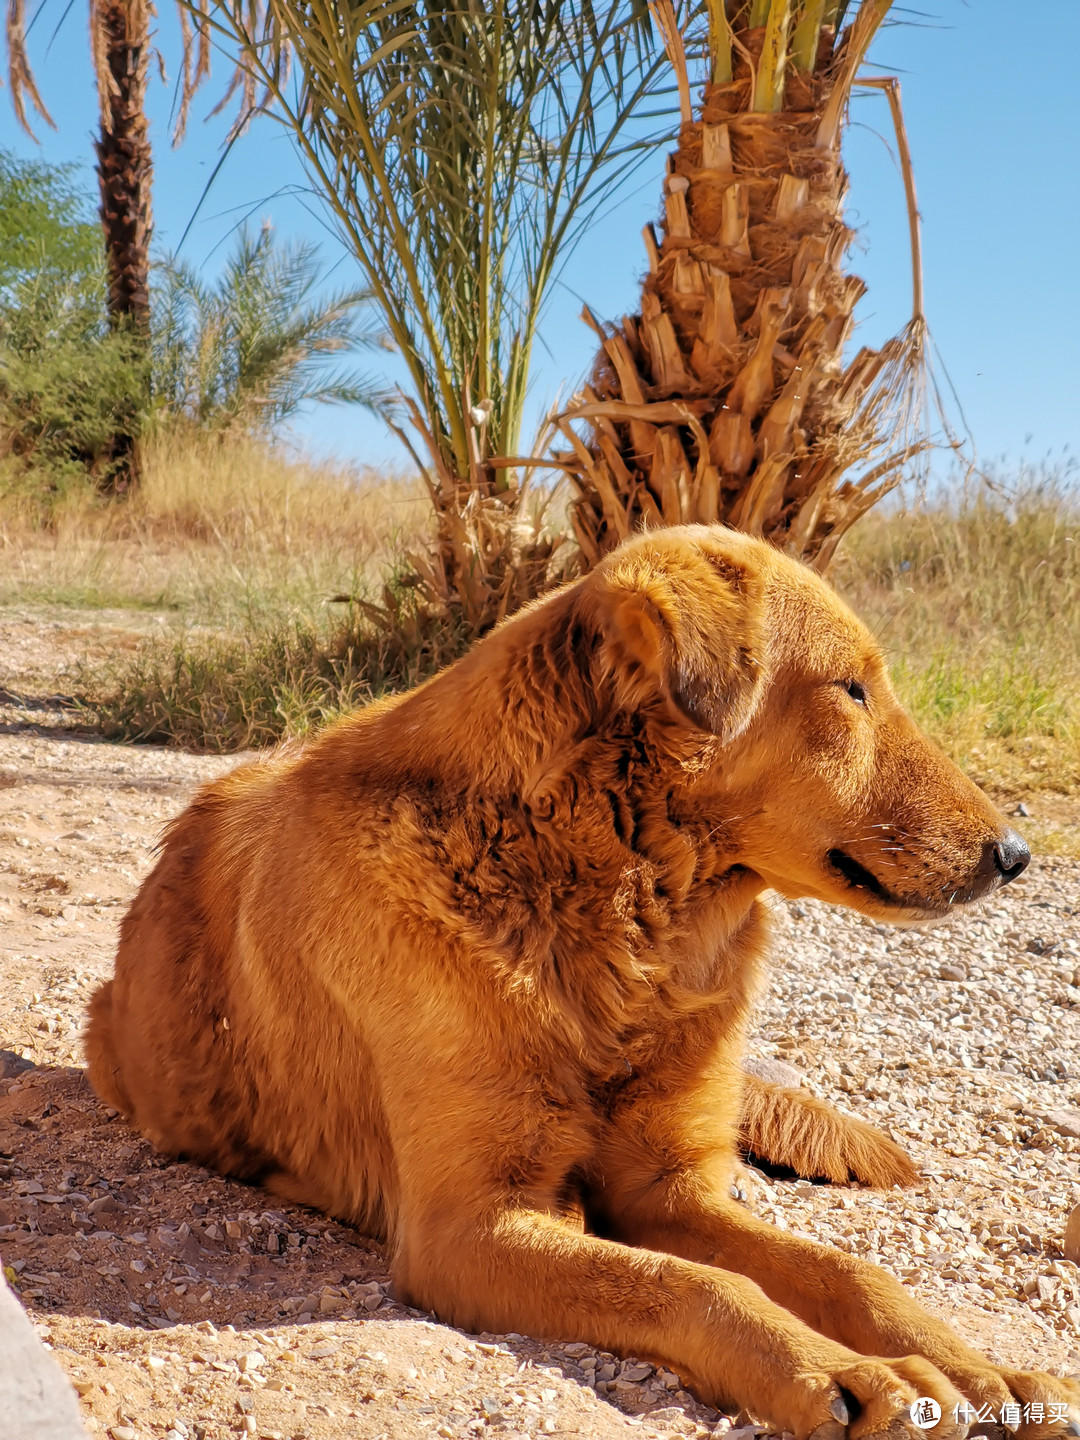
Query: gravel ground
<point>188,1307</point>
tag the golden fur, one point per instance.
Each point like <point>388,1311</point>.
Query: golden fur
<point>473,971</point>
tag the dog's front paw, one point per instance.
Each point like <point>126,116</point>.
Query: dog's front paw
<point>1044,1407</point>
<point>872,1399</point>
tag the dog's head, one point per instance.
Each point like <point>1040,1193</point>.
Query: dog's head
<point>816,778</point>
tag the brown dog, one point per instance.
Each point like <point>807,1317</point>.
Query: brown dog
<point>473,971</point>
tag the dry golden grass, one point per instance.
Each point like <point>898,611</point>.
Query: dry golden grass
<point>218,529</point>
<point>251,549</point>
<point>976,600</point>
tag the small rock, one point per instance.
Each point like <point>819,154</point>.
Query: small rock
<point>955,971</point>
<point>323,1349</point>
<point>12,1065</point>
<point>1072,1237</point>
<point>1023,811</point>
<point>774,1072</point>
<point>9,775</point>
<point>666,1417</point>
<point>1065,1122</point>
<point>122,1432</point>
<point>635,1372</point>
<point>251,1361</point>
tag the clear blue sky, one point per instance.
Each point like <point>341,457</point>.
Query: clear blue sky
<point>991,113</point>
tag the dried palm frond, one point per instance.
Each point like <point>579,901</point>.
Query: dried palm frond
<point>20,75</point>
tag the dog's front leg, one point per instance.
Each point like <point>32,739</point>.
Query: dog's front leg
<point>518,1269</point>
<point>857,1304</point>
<point>481,1162</point>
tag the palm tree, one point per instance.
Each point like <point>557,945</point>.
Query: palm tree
<point>460,148</point>
<point>248,351</point>
<point>120,50</point>
<point>120,38</point>
<point>727,396</point>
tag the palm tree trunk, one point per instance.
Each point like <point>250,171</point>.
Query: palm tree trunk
<point>490,552</point>
<point>726,398</point>
<point>120,31</point>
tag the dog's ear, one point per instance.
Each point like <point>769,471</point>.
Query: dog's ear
<point>684,623</point>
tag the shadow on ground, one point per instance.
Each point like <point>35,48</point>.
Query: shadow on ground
<point>105,1227</point>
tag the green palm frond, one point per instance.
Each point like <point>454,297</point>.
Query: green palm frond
<point>253,348</point>
<point>461,149</point>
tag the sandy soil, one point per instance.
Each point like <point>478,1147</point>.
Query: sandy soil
<point>186,1306</point>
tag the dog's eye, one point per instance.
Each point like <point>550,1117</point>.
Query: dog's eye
<point>854,689</point>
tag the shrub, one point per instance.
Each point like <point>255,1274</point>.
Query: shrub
<point>68,383</point>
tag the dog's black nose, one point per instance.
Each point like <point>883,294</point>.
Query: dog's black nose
<point>1010,855</point>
